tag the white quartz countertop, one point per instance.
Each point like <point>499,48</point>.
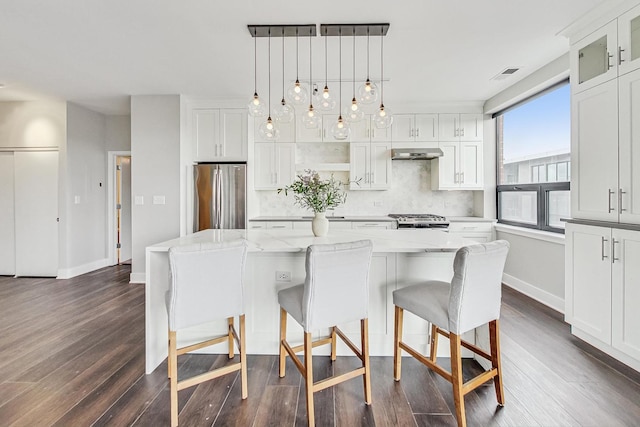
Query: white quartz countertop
<point>329,217</point>
<point>469,219</point>
<point>291,241</point>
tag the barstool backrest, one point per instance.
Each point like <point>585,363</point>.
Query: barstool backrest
<point>336,287</point>
<point>476,287</point>
<point>207,282</point>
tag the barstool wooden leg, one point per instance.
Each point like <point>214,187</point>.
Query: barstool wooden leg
<point>230,334</point>
<point>494,338</point>
<point>243,358</point>
<point>308,377</point>
<point>333,343</point>
<point>168,356</point>
<point>173,375</point>
<point>433,354</point>
<point>397,337</point>
<point>283,337</point>
<point>456,379</point>
<point>364,339</point>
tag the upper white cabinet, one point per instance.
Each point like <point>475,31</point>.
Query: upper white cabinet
<point>604,132</point>
<point>286,131</point>
<point>366,131</point>
<point>219,134</point>
<point>460,168</point>
<point>608,52</point>
<point>274,165</point>
<point>370,165</point>
<point>460,127</point>
<point>318,134</point>
<point>415,128</point>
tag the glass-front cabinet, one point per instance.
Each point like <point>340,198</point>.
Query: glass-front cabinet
<point>629,41</point>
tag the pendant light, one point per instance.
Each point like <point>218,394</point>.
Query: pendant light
<point>353,113</point>
<point>340,130</point>
<point>368,92</point>
<point>256,106</point>
<point>383,117</point>
<point>325,101</point>
<point>268,130</point>
<point>311,118</point>
<point>283,112</point>
<point>297,93</point>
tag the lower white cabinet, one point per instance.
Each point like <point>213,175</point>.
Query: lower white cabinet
<point>275,165</point>
<point>602,289</point>
<point>370,165</point>
<point>460,168</point>
<point>382,225</point>
<point>472,232</point>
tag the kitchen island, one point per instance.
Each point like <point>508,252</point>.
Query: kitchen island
<point>275,261</point>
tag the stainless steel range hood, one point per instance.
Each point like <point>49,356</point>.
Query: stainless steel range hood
<point>415,153</point>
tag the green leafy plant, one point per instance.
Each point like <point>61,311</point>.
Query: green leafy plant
<point>318,195</point>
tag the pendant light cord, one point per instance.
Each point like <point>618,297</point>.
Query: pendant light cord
<point>269,50</point>
<point>283,64</point>
<point>255,62</point>
<point>340,73</point>
<point>326,62</point>
<point>381,66</point>
<point>367,53</point>
<point>297,53</point>
<point>310,73</point>
<point>354,63</point>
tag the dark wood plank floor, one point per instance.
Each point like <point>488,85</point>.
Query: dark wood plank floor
<point>72,354</point>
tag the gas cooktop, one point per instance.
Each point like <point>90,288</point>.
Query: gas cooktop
<point>420,220</point>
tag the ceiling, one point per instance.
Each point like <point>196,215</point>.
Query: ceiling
<point>98,53</point>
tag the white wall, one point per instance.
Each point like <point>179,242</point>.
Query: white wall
<point>155,171</point>
<point>32,124</point>
<point>118,133</point>
<point>535,265</point>
<point>86,188</point>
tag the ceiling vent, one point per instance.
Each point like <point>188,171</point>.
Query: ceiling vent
<point>507,72</point>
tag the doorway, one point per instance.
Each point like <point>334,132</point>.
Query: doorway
<point>119,206</point>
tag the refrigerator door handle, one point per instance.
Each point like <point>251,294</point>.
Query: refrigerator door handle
<point>220,199</point>
<point>216,204</point>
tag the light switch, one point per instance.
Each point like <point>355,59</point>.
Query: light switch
<point>139,200</point>
<point>76,200</point>
<point>158,200</point>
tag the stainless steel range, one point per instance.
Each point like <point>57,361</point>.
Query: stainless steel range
<point>421,221</point>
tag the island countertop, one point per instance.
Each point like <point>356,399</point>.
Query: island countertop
<point>278,240</point>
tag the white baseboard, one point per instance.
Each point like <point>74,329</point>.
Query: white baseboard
<point>137,278</point>
<point>534,292</point>
<point>68,273</point>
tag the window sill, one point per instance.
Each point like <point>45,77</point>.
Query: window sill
<point>532,234</point>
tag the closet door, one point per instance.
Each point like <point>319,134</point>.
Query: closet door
<point>36,213</point>
<point>7,225</point>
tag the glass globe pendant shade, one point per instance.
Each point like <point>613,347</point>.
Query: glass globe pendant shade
<point>340,129</point>
<point>368,92</point>
<point>310,118</point>
<point>353,113</point>
<point>257,108</point>
<point>324,100</point>
<point>283,112</point>
<point>268,130</point>
<point>298,94</point>
<point>382,118</point>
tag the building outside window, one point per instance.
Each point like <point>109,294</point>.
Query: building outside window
<point>534,160</point>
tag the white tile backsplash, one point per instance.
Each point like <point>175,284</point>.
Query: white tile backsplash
<point>410,191</point>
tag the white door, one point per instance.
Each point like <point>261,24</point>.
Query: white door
<point>206,133</point>
<point>626,292</point>
<point>593,60</point>
<point>588,280</point>
<point>629,146</point>
<point>36,213</point>
<point>233,134</point>
<point>125,209</point>
<point>629,40</point>
<point>380,165</point>
<point>594,153</point>
<point>7,224</point>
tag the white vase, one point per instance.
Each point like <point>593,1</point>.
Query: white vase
<point>320,225</point>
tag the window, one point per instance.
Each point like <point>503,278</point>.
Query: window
<point>534,160</point>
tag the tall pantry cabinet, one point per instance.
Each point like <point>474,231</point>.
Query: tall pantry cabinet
<point>602,276</point>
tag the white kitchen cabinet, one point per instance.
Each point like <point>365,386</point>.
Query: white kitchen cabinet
<point>219,134</point>
<point>628,202</point>
<point>380,225</point>
<point>460,127</point>
<point>366,131</point>
<point>333,225</point>
<point>286,131</point>
<point>257,225</point>
<point>414,128</point>
<point>460,167</point>
<point>370,165</point>
<point>602,288</point>
<point>610,51</point>
<point>274,225</point>
<point>274,165</point>
<point>320,134</point>
<point>472,232</point>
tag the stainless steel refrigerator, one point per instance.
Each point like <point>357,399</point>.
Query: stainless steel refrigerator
<point>220,196</point>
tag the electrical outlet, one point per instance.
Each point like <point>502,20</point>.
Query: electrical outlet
<point>283,276</point>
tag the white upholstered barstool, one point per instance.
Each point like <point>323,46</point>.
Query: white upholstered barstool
<point>471,299</point>
<point>336,290</point>
<point>206,285</point>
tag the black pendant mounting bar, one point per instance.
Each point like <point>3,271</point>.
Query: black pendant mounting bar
<point>310,30</point>
<point>334,30</point>
<point>282,30</point>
